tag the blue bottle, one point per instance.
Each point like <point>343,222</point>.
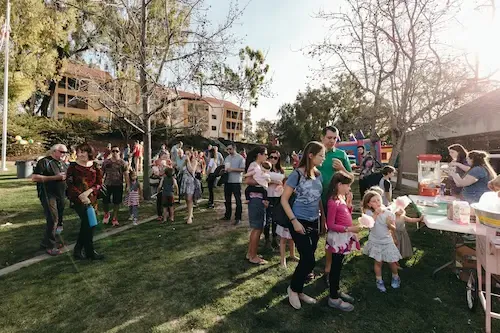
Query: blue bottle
<point>91,216</point>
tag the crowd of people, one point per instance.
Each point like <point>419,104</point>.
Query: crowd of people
<point>315,197</point>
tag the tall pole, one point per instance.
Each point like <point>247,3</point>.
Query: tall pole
<point>6,89</point>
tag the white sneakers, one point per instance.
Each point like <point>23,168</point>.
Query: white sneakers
<point>295,298</point>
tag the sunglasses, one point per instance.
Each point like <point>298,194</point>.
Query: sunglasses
<point>115,151</point>
<point>273,157</point>
<point>63,152</point>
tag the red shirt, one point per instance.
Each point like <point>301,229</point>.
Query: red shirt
<point>80,179</point>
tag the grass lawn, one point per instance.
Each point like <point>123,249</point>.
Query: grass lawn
<point>193,278</point>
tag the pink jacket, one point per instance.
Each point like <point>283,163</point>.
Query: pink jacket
<point>338,215</point>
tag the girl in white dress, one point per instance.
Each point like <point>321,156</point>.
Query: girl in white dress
<point>380,245</point>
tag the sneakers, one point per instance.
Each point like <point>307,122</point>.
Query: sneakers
<point>307,299</point>
<point>236,222</point>
<point>135,222</point>
<point>294,299</point>
<point>340,304</point>
<point>53,252</point>
<point>115,223</point>
<point>131,218</point>
<point>396,282</point>
<point>105,220</point>
<point>381,286</point>
<point>346,297</point>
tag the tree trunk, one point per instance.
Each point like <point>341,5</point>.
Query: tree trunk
<point>145,107</point>
<point>398,138</point>
<point>44,107</point>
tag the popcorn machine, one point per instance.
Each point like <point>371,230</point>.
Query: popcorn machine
<point>429,175</point>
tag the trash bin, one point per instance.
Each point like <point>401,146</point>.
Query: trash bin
<point>24,169</point>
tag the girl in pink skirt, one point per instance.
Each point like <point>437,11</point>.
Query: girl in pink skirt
<point>134,194</point>
<point>285,237</point>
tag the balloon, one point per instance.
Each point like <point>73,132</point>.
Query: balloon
<point>30,141</point>
<point>23,142</point>
<point>18,138</point>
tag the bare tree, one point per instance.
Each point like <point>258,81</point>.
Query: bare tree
<point>392,48</point>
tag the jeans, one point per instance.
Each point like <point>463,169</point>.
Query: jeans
<point>270,224</point>
<point>337,263</point>
<point>53,209</point>
<point>86,235</point>
<point>306,245</point>
<point>159,208</point>
<point>133,211</point>
<point>211,184</point>
<point>229,190</point>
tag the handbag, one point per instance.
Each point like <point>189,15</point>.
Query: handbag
<point>91,216</point>
<point>279,214</point>
<point>197,186</point>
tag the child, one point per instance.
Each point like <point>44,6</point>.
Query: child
<point>403,242</point>
<point>133,197</point>
<point>380,245</point>
<point>494,185</point>
<point>262,177</point>
<point>386,185</point>
<point>168,186</point>
<point>341,238</point>
<point>285,237</point>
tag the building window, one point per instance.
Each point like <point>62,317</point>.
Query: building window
<point>214,128</point>
<point>72,83</point>
<point>62,83</point>
<point>61,100</point>
<point>77,103</point>
<point>214,117</point>
<point>241,116</point>
<point>228,125</point>
<point>84,85</point>
<point>228,114</point>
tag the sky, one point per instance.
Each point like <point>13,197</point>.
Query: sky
<point>280,28</point>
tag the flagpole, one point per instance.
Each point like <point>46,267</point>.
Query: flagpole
<point>6,89</point>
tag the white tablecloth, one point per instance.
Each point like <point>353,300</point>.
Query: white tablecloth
<point>438,222</point>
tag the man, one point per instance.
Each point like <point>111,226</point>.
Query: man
<point>176,147</point>
<point>218,156</point>
<point>235,166</point>
<point>50,176</point>
<point>115,170</point>
<point>335,160</point>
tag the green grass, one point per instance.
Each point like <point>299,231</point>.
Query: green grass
<point>180,278</point>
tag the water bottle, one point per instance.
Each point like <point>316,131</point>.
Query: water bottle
<point>91,216</point>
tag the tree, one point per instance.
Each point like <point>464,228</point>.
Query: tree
<point>265,131</point>
<point>36,32</point>
<point>340,104</point>
<point>393,51</point>
<point>158,46</point>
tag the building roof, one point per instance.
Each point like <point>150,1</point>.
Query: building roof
<point>85,71</point>
<point>214,102</point>
<point>478,116</point>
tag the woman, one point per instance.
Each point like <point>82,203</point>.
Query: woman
<point>274,192</point>
<point>475,181</point>
<point>306,182</point>
<point>157,172</point>
<point>135,156</point>
<point>256,206</point>
<point>200,170</point>
<point>190,187</point>
<point>458,156</point>
<point>211,176</point>
<point>84,181</point>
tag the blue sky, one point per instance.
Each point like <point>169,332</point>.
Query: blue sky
<point>280,28</point>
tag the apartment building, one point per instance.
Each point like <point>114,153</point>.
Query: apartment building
<point>77,93</point>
